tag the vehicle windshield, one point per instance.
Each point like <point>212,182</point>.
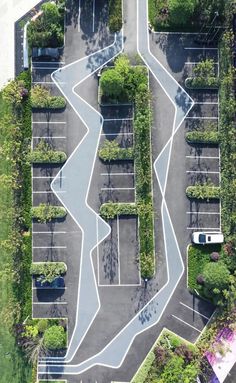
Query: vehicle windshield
<point>202,238</point>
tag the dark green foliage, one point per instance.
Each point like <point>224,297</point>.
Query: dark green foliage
<point>111,151</point>
<point>110,209</point>
<point>50,270</point>
<point>48,29</point>
<point>111,83</point>
<point>205,191</point>
<point>206,137</point>
<point>54,338</point>
<point>181,11</point>
<point>41,98</point>
<point>115,15</point>
<point>216,279</point>
<point>44,154</point>
<point>44,212</point>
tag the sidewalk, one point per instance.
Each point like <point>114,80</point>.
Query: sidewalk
<point>10,12</point>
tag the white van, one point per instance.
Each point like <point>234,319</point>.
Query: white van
<point>206,238</point>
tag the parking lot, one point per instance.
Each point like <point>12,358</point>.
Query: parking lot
<point>51,241</point>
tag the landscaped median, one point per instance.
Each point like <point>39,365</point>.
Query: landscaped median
<point>115,15</point>
<point>41,98</point>
<point>203,191</point>
<point>130,84</point>
<point>203,137</point>
<point>111,151</point>
<point>48,270</point>
<point>45,212</point>
<point>43,153</point>
<point>204,76</point>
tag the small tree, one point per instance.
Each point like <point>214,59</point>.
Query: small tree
<point>54,338</point>
<point>109,150</point>
<point>14,92</point>
<point>112,83</point>
<point>39,96</point>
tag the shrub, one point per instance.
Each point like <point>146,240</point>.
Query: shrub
<point>207,137</point>
<point>42,325</point>
<point>45,212</point>
<point>205,191</point>
<point>112,83</point>
<point>200,279</point>
<point>216,278</point>
<point>215,256</point>
<point>50,270</point>
<point>204,76</point>
<point>111,151</point>
<point>41,98</point>
<point>44,154</point>
<point>54,338</point>
<point>202,83</point>
<point>15,91</point>
<point>109,210</point>
<point>181,11</point>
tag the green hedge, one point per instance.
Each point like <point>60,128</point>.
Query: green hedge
<point>109,210</point>
<point>43,153</point>
<point>205,137</point>
<point>45,212</point>
<point>142,373</point>
<point>111,151</point>
<point>205,191</point>
<point>54,338</point>
<point>50,270</point>
<point>199,83</point>
<point>115,15</point>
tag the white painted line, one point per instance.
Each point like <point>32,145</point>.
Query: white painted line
<point>48,191</point>
<point>117,188</point>
<point>118,247</point>
<point>197,62</point>
<point>187,324</point>
<point>120,285</point>
<point>44,67</point>
<point>203,212</point>
<point>116,174</point>
<point>93,15</point>
<point>46,177</point>
<point>202,172</point>
<point>203,157</point>
<point>79,14</point>
<point>48,62</point>
<point>48,232</point>
<point>201,118</point>
<point>190,308</point>
<point>201,48</point>
<point>119,119</point>
<point>42,82</point>
<point>203,228</point>
<point>48,122</point>
<point>49,247</point>
<point>206,103</point>
<point>117,134</point>
<point>49,303</point>
<point>38,137</point>
<point>49,288</point>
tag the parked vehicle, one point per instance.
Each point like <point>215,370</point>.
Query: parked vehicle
<point>206,238</point>
<point>51,53</point>
<point>56,283</point>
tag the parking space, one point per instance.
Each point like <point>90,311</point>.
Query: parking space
<point>202,161</point>
<point>190,316</point>
<point>117,258</point>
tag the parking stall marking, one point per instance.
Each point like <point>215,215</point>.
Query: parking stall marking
<point>203,212</point>
<point>44,288</point>
<point>197,312</point>
<point>117,188</point>
<point>203,228</point>
<point>118,247</point>
<point>50,303</point>
<point>116,174</point>
<point>46,177</point>
<point>203,171</point>
<point>49,122</point>
<point>117,134</point>
<point>203,157</point>
<point>49,247</point>
<point>119,119</point>
<point>47,192</point>
<point>49,232</point>
<point>201,48</point>
<point>47,137</point>
<point>201,118</point>
<point>186,323</point>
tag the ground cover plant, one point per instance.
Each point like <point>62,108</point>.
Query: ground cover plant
<point>134,81</point>
<point>189,15</point>
<point>115,15</point>
<point>15,222</point>
<point>110,210</point>
<point>44,212</point>
<point>203,137</point>
<point>43,153</point>
<point>171,360</point>
<point>47,30</point>
<point>41,99</point>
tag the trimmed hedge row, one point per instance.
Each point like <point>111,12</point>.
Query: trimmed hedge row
<point>44,212</point>
<point>110,209</point>
<point>199,83</point>
<point>50,270</point>
<point>203,137</point>
<point>205,191</point>
<point>41,99</point>
<point>111,151</point>
<point>115,15</point>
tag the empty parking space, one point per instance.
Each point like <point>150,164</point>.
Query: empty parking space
<point>117,194</point>
<point>49,310</point>
<point>204,151</point>
<point>50,295</point>
<point>49,117</point>
<point>117,111</point>
<point>129,251</point>
<point>121,181</point>
<point>203,221</point>
<point>49,251</point>
<point>206,109</point>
